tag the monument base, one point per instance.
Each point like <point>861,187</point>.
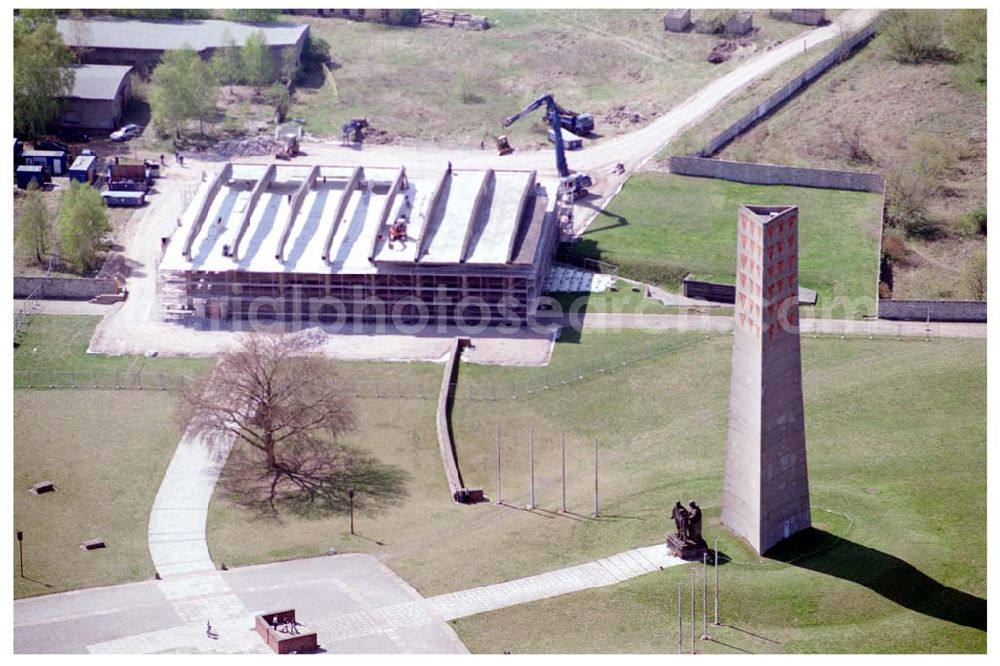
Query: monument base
<point>686,550</point>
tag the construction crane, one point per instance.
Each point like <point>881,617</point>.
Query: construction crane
<point>575,183</point>
<point>580,124</point>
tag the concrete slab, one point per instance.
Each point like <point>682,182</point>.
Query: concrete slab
<point>448,229</point>
<point>497,221</point>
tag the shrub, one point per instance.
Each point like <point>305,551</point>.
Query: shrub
<point>894,246</point>
<point>916,179</point>
<point>316,51</point>
<point>973,222</point>
<point>915,35</point>
<point>975,275</point>
<point>967,34</point>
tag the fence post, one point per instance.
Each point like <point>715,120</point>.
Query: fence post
<point>531,454</point>
<point>597,503</point>
<point>499,494</point>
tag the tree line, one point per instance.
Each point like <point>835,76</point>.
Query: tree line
<point>184,87</point>
<point>81,226</point>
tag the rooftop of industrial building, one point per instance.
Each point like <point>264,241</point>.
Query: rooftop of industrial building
<point>97,81</point>
<point>116,33</point>
<point>463,217</point>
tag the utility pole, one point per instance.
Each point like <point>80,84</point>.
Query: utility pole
<point>531,453</point>
<point>694,572</point>
<point>704,596</point>
<point>564,472</point>
<point>716,623</point>
<point>597,503</point>
<point>20,550</point>
<point>350,502</point>
<point>499,496</point>
<point>680,618</point>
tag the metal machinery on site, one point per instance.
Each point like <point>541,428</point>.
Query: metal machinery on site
<point>575,184</point>
<point>354,130</point>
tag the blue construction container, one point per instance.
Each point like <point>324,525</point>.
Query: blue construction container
<point>117,199</point>
<point>53,160</point>
<point>84,169</point>
<point>27,173</point>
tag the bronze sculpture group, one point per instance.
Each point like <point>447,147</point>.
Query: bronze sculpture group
<point>687,541</point>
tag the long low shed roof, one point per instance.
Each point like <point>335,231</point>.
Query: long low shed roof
<point>115,33</point>
<point>97,81</point>
<point>336,219</point>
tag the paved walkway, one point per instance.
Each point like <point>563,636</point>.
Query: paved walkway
<point>177,522</point>
<point>353,601</point>
<point>605,571</point>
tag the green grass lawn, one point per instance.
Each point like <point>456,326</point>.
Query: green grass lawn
<point>896,431</point>
<point>662,227</point>
<point>58,343</point>
<point>453,86</point>
<point>626,301</point>
<point>106,452</point>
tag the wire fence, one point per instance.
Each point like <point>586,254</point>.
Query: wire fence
<point>30,304</point>
<point>540,380</point>
<point>172,380</point>
<point>535,380</point>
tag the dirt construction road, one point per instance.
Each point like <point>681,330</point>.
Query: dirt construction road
<point>133,327</point>
<point>632,150</point>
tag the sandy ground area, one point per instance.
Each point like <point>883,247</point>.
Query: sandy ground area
<point>134,327</point>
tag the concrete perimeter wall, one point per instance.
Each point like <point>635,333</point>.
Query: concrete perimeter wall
<point>774,174</point>
<point>968,311</point>
<point>789,90</point>
<point>445,442</point>
<point>709,291</point>
<point>68,288</point>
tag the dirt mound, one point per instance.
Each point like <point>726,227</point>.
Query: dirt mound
<point>728,49</point>
<point>622,115</point>
<point>380,137</point>
<point>250,147</point>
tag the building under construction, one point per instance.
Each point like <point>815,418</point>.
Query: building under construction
<point>334,243</point>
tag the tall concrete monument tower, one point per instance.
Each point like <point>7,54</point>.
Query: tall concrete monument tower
<point>765,495</point>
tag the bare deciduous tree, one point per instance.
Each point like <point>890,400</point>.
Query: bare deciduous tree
<point>286,409</point>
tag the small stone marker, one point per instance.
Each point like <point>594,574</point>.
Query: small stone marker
<point>93,544</point>
<point>43,487</point>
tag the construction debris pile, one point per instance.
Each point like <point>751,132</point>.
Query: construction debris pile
<point>381,137</point>
<point>314,336</point>
<point>622,115</point>
<point>254,146</point>
<point>727,49</point>
<point>454,19</point>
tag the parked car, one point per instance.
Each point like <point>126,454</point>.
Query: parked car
<point>73,135</point>
<point>49,144</point>
<point>125,133</point>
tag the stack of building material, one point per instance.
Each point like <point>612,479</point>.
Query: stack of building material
<point>677,20</point>
<point>454,19</point>
<point>709,22</point>
<point>740,23</point>
<point>574,280</point>
<point>808,16</point>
